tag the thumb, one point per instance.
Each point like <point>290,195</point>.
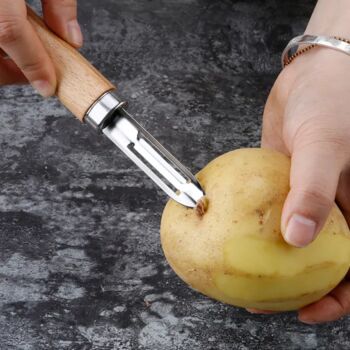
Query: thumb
<point>314,177</point>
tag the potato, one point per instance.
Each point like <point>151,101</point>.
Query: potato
<point>235,252</point>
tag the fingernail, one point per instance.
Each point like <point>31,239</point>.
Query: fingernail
<point>310,322</point>
<point>43,87</point>
<point>253,311</point>
<point>300,231</point>
<point>74,32</point>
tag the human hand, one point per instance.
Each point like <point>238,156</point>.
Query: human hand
<point>307,116</point>
<point>23,57</point>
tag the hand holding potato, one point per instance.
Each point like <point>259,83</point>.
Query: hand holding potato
<point>307,117</point>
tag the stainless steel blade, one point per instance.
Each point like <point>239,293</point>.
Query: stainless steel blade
<point>149,155</point>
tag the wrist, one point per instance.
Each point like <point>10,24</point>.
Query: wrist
<point>324,66</point>
<point>330,18</point>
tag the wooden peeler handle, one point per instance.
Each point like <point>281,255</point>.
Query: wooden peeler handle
<point>79,83</point>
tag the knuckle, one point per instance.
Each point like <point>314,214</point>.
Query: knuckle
<point>317,194</point>
<point>10,29</point>
<point>326,136</point>
<point>342,297</point>
<point>32,67</point>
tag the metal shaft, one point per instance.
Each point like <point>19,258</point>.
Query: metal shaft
<point>109,116</point>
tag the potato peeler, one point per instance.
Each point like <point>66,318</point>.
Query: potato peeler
<point>92,99</point>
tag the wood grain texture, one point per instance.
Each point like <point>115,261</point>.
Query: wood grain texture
<point>79,84</point>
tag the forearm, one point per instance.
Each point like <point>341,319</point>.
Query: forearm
<point>331,18</point>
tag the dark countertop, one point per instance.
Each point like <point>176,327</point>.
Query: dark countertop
<point>81,265</point>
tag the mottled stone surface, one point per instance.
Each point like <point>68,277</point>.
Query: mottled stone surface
<point>81,265</point>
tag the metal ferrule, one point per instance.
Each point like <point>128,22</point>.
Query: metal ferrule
<point>100,113</point>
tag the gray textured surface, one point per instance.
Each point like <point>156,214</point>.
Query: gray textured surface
<point>79,225</point>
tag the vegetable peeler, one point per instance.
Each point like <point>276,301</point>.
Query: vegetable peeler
<point>91,98</point>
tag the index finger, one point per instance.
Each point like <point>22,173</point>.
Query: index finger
<point>61,17</point>
<point>330,308</point>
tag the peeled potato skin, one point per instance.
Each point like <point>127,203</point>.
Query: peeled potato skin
<point>235,252</point>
